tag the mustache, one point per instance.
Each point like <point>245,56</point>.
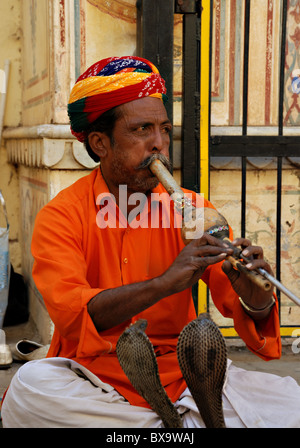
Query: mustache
<point>147,162</point>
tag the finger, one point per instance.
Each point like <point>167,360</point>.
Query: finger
<point>211,240</point>
<point>253,251</point>
<point>207,251</point>
<point>243,242</point>
<point>211,259</point>
<point>231,273</point>
<point>259,263</point>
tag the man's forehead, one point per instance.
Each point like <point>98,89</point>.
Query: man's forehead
<point>144,108</point>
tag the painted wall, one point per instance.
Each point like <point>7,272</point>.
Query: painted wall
<point>226,118</point>
<point>264,61</point>
<point>50,42</point>
<point>10,49</point>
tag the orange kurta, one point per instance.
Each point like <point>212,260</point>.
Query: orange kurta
<point>75,259</point>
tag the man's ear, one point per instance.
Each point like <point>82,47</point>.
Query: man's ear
<point>98,142</point>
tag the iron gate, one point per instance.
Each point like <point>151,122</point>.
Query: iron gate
<point>155,18</point>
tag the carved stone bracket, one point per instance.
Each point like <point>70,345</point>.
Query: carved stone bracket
<point>46,146</point>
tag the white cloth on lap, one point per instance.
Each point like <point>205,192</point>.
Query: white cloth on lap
<point>60,393</point>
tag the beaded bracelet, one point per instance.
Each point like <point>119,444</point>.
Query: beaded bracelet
<point>217,229</point>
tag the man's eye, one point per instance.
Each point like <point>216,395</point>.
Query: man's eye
<point>167,129</point>
<point>141,128</point>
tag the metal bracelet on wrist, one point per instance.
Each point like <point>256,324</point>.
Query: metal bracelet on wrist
<point>256,310</point>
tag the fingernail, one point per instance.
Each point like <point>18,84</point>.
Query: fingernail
<point>245,252</point>
<point>249,265</point>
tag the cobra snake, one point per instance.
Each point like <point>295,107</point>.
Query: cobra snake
<point>202,357</point>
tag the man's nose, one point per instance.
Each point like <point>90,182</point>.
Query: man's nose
<point>158,142</point>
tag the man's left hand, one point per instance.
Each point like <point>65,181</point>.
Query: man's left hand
<point>251,294</point>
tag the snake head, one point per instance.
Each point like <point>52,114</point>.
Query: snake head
<point>140,324</point>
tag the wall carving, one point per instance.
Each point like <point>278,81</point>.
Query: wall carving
<point>46,146</point>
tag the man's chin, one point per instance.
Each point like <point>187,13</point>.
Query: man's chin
<point>145,185</point>
<point>153,182</point>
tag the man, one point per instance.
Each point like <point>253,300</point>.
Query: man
<point>100,265</point>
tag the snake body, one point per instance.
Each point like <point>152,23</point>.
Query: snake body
<point>202,356</point>
<point>137,358</point>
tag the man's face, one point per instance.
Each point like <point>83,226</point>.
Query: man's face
<point>142,130</point>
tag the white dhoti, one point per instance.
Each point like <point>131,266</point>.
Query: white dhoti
<point>60,393</point>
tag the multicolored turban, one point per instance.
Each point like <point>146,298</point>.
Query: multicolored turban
<point>110,83</point>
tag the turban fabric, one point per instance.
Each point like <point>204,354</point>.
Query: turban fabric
<point>110,83</point>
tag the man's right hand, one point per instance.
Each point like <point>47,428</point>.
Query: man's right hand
<point>128,300</point>
<point>192,261</point>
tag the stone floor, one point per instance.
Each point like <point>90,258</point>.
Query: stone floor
<point>288,365</point>
<point>13,335</point>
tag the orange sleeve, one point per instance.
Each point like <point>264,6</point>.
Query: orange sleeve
<point>261,337</point>
<point>59,273</point>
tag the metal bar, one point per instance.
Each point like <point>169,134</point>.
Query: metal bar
<point>255,146</point>
<point>279,159</point>
<point>246,57</point>
<point>245,116</point>
<point>191,102</point>
<point>243,197</point>
<point>282,65</point>
<point>190,170</point>
<point>155,24</point>
<point>278,223</point>
<point>191,65</point>
<point>204,88</point>
<point>186,6</point>
<point>205,102</point>
<point>210,83</point>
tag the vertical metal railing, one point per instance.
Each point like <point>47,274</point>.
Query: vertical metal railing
<point>276,146</point>
<point>191,85</point>
<point>245,114</point>
<point>155,23</point>
<point>280,133</point>
<point>156,19</point>
<point>280,129</point>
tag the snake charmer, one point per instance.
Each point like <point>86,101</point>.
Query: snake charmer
<point>108,253</point>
